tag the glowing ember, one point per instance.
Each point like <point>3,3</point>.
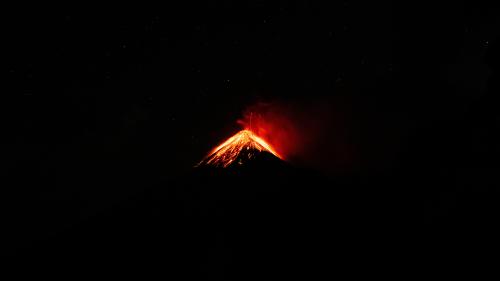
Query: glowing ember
<point>243,145</point>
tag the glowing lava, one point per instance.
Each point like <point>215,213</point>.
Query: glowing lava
<point>243,145</point>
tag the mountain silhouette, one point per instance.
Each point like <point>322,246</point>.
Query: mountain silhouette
<point>254,218</point>
<point>238,150</point>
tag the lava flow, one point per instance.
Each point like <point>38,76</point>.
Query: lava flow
<point>242,146</point>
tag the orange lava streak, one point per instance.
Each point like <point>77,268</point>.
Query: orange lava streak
<point>244,142</point>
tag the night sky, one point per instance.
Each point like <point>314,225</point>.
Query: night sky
<point>104,106</point>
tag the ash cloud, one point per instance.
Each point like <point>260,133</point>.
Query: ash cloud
<point>313,134</point>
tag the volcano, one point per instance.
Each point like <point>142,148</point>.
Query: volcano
<point>238,150</point>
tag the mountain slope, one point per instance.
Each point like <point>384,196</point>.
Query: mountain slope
<point>237,150</point>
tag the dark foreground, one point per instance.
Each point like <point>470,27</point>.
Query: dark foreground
<point>263,221</point>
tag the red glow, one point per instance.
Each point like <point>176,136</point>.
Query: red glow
<point>311,134</point>
<point>273,125</point>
